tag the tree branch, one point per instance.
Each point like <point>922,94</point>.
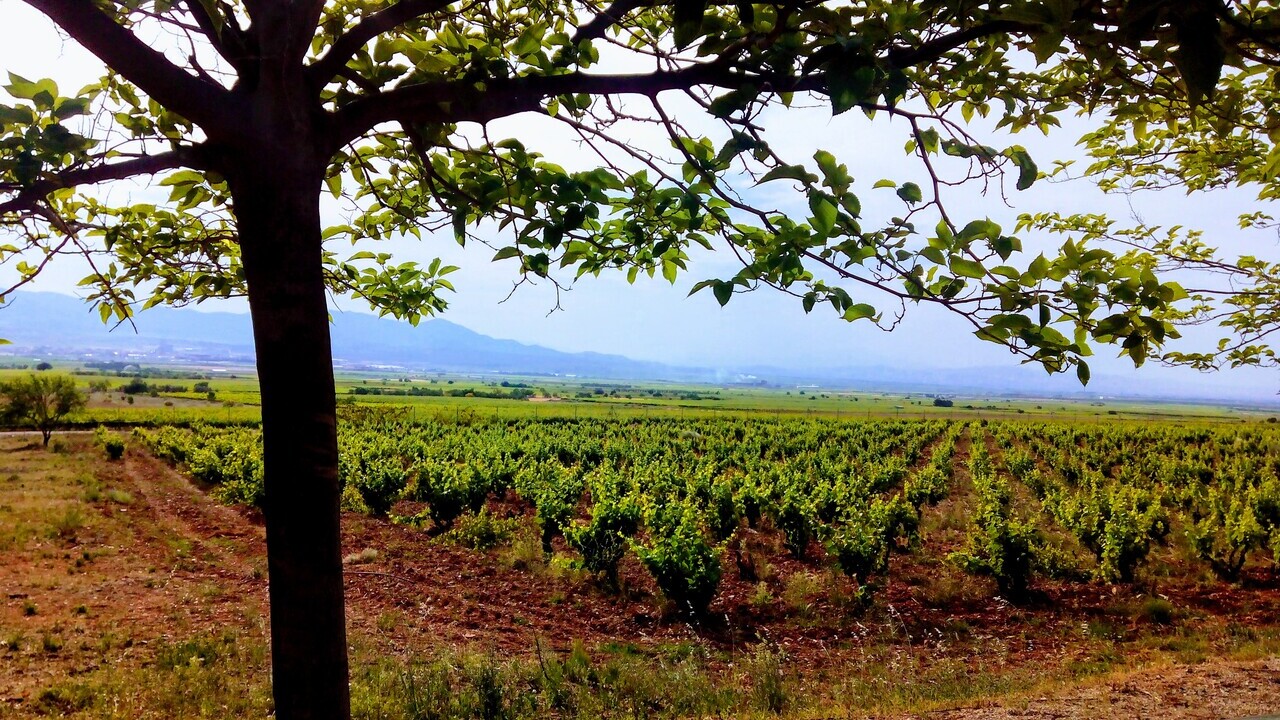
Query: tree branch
<point>230,42</point>
<point>461,101</point>
<point>603,20</point>
<point>200,101</point>
<point>28,198</point>
<point>904,57</point>
<point>346,46</point>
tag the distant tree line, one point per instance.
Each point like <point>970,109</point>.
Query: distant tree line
<point>514,393</point>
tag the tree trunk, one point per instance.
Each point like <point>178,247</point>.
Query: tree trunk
<point>278,214</point>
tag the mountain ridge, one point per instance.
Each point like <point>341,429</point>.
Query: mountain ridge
<point>43,323</point>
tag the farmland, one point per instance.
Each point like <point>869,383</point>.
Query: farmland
<point>181,395</point>
<point>683,563</point>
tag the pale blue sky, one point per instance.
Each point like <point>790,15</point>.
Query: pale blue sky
<point>653,320</point>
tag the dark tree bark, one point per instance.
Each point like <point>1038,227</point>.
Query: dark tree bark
<point>276,194</point>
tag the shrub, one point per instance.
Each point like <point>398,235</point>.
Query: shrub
<point>684,565</point>
<point>1119,523</point>
<point>448,489</point>
<point>1233,517</point>
<point>603,540</point>
<point>554,491</point>
<point>482,531</point>
<point>928,486</point>
<point>1000,546</point>
<point>380,479</point>
<point>795,513</point>
<point>111,443</point>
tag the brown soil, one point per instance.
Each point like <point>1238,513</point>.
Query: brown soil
<point>1209,692</point>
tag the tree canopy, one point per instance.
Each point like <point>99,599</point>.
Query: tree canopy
<point>40,400</point>
<point>403,90</point>
<point>246,111</point>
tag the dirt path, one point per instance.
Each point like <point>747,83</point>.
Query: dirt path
<point>1208,691</point>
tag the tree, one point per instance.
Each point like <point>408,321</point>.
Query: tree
<point>256,109</point>
<point>41,401</point>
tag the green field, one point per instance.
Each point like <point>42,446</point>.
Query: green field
<point>236,399</point>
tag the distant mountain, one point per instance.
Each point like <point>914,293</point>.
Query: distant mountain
<point>59,325</point>
<point>54,323</point>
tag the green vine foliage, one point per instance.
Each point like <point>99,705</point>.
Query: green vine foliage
<point>673,494</point>
<point>679,556</point>
<point>1001,545</point>
<point>1119,523</point>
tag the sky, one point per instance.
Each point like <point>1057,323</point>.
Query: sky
<point>653,320</point>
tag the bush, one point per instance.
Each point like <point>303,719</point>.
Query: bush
<point>554,491</point>
<point>1232,517</point>
<point>684,565</point>
<point>860,545</point>
<point>1119,523</point>
<point>603,541</point>
<point>795,512</point>
<point>1000,546</point>
<point>448,489</point>
<point>928,486</point>
<point>482,531</point>
<point>377,472</point>
<point>111,443</point>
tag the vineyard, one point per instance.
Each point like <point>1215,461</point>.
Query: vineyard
<point>692,501</point>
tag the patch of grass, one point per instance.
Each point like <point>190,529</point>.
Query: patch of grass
<point>119,497</point>
<point>762,596</point>
<point>65,699</point>
<point>389,621</point>
<point>68,523</point>
<point>569,686</point>
<point>1156,610</point>
<point>525,551</point>
<point>363,557</point>
<point>482,531</point>
<point>197,651</point>
<point>801,590</point>
<point>945,588</point>
<point>766,671</point>
<point>50,642</point>
<point>904,682</point>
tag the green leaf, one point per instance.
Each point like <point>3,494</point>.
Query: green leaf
<point>1039,268</point>
<point>964,267</point>
<point>1200,54</point>
<point>788,172</point>
<point>506,252</point>
<point>687,18</point>
<point>850,84</point>
<point>460,225</point>
<point>824,213</point>
<point>723,291</point>
<point>1027,170</point>
<point>1082,372</point>
<point>669,270</point>
<point>910,193</point>
<point>859,311</point>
